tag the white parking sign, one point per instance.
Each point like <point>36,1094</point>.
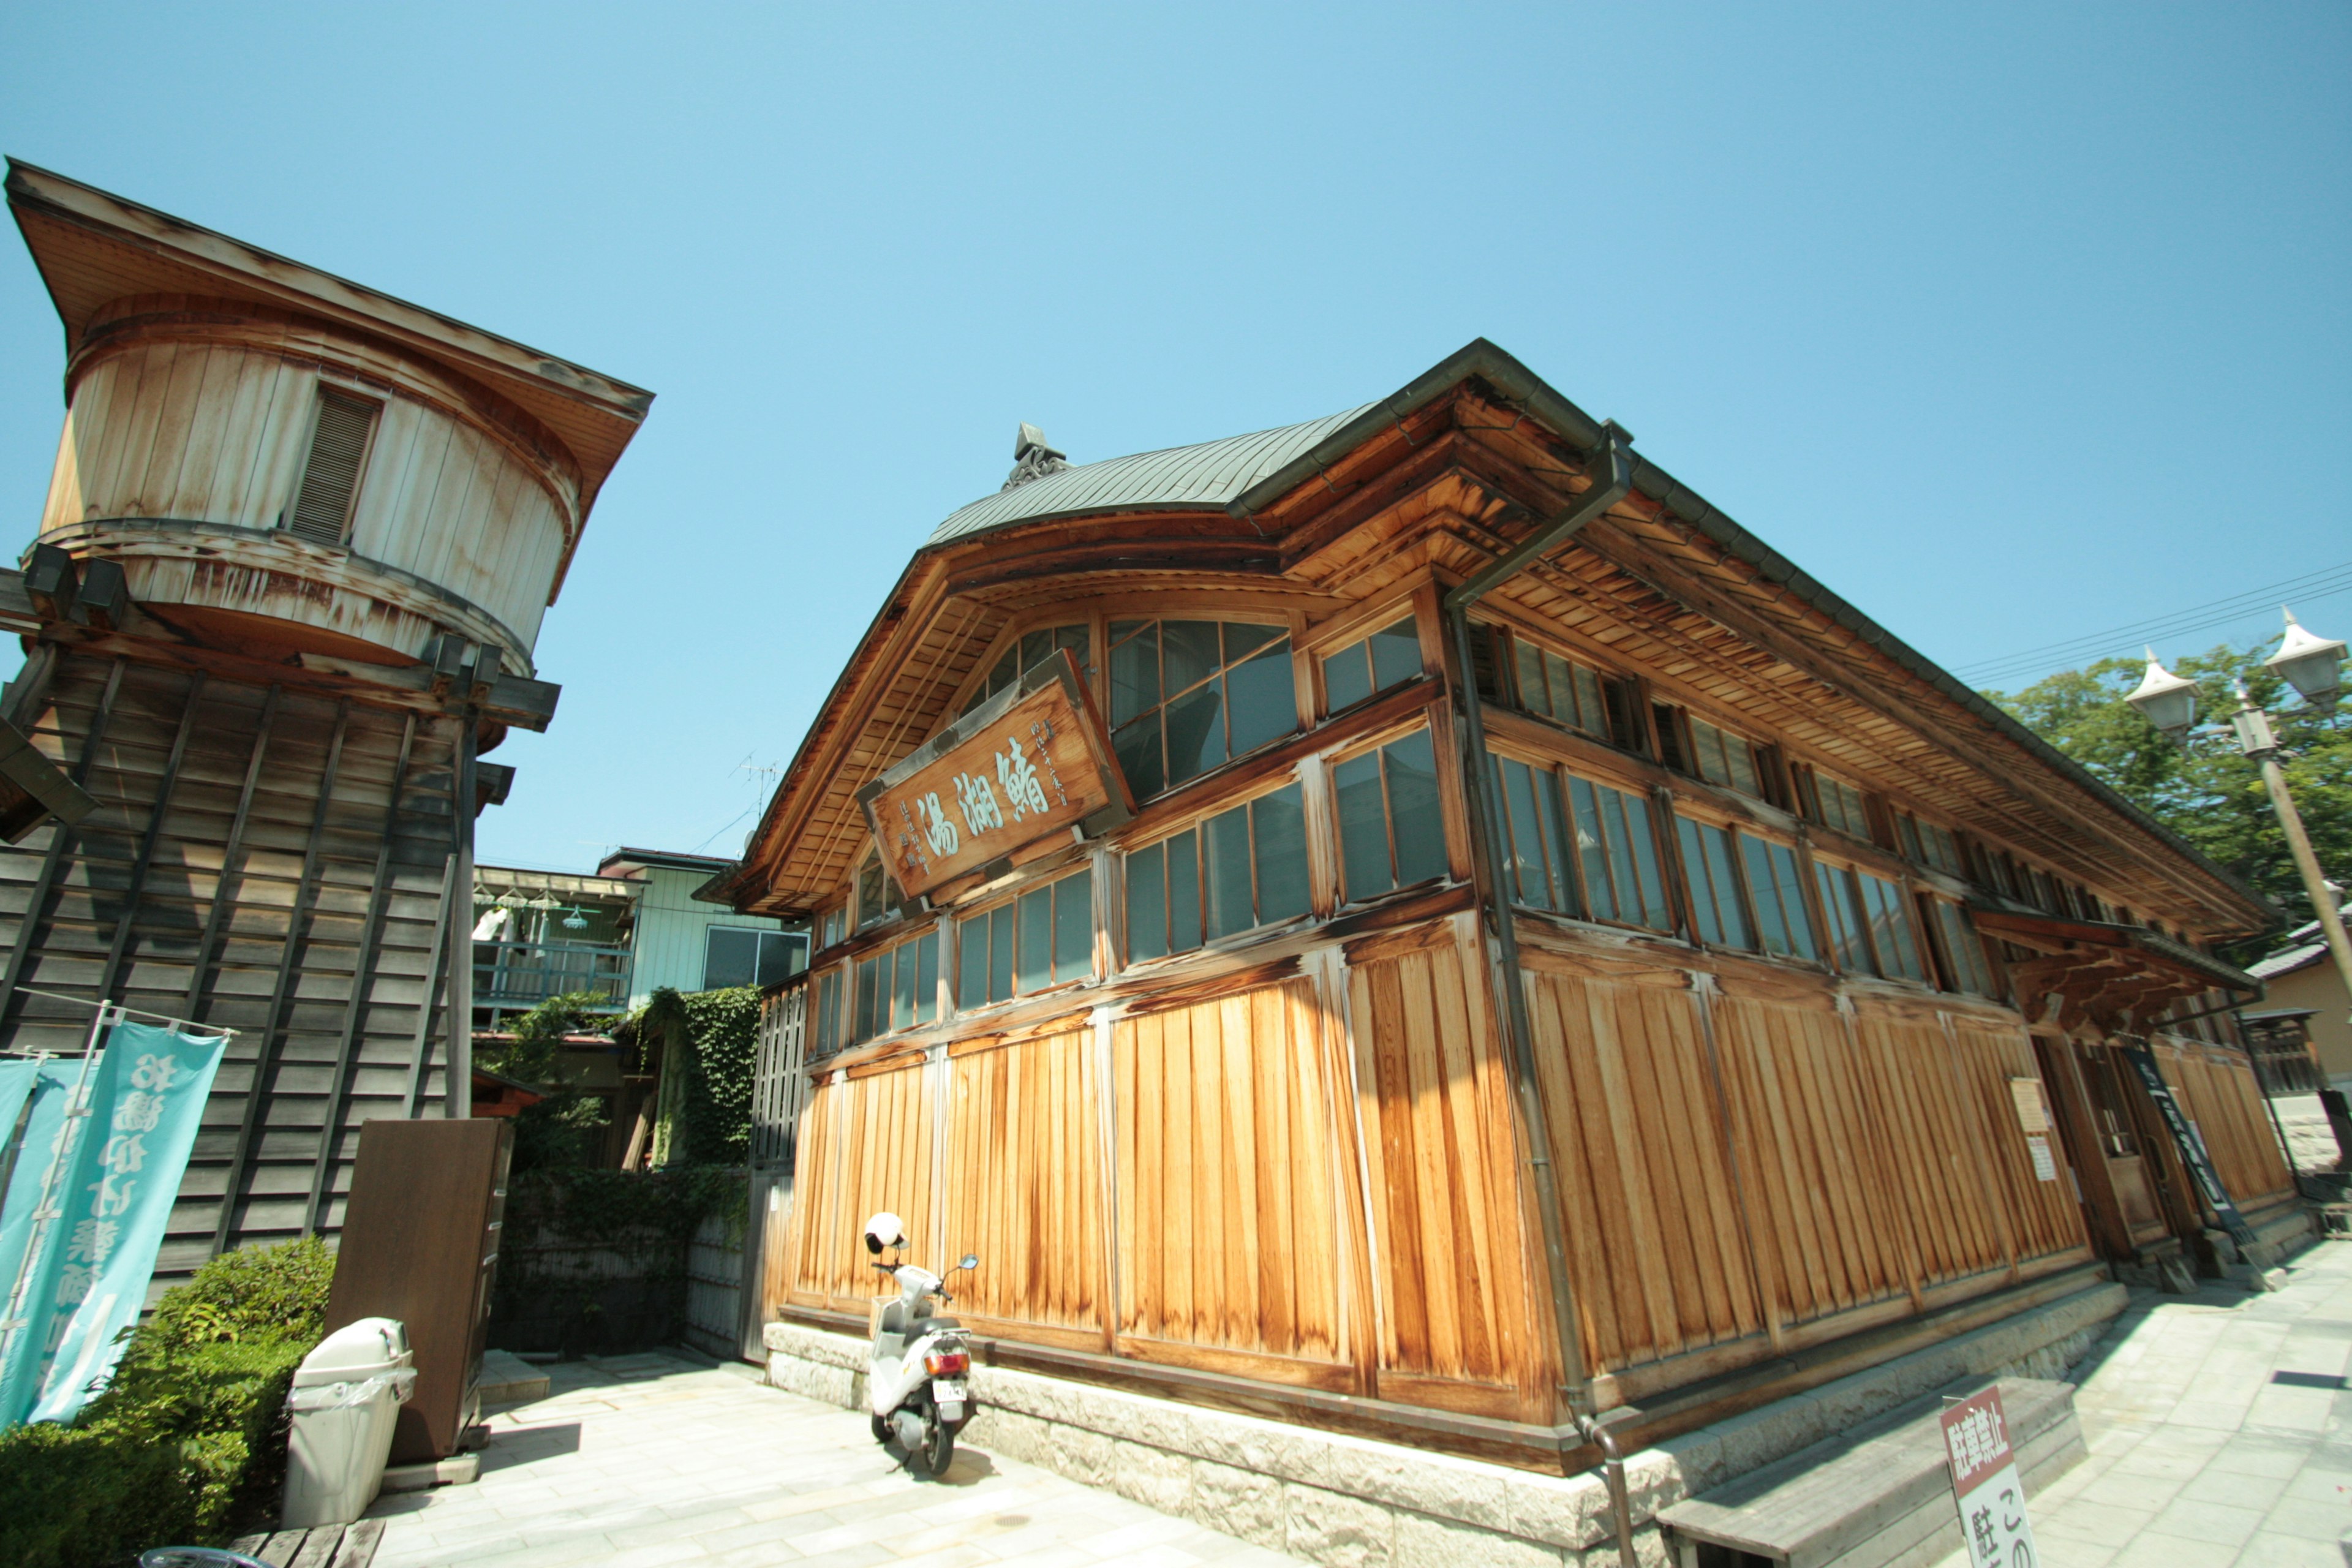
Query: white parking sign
<point>1984,1478</point>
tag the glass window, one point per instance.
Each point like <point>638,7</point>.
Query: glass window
<point>1837,803</point>
<point>1044,937</point>
<point>1374,664</point>
<point>828,1012</point>
<point>1963,949</point>
<point>1391,830</point>
<point>877,891</point>
<point>1777,892</point>
<point>1188,695</point>
<point>1926,844</point>
<point>1890,928</point>
<point>1715,909</point>
<point>740,955</point>
<point>898,988</point>
<point>1722,758</point>
<point>1535,828</point>
<point>1840,909</point>
<point>1240,868</point>
<point>1616,856</point>
<point>1559,688</point>
<point>1034,648</point>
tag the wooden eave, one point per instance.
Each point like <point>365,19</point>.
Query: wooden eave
<point>93,248</point>
<point>1449,482</point>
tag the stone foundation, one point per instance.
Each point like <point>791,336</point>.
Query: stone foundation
<point>1353,1502</point>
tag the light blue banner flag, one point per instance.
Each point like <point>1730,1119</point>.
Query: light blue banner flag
<point>146,1101</point>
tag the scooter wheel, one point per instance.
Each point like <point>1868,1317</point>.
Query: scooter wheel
<point>881,1430</point>
<point>938,1451</point>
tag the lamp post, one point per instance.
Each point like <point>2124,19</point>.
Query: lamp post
<point>2310,665</point>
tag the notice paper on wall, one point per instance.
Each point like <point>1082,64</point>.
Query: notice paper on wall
<point>1984,1480</point>
<point>2045,1168</point>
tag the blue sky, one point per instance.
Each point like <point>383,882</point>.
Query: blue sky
<point>2010,323</point>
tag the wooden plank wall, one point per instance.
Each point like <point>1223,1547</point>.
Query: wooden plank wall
<point>2218,1091</point>
<point>1433,1097</point>
<point>1743,1171</point>
<point>270,863</point>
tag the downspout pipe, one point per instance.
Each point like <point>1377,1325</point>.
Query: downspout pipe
<point>1611,467</point>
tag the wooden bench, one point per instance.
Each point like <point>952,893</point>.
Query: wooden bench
<point>321,1546</point>
<point>1879,1496</point>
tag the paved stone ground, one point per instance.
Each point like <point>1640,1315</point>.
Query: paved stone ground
<point>2219,1430</point>
<point>651,1459</point>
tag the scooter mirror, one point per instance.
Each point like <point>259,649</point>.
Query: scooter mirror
<point>971,1260</point>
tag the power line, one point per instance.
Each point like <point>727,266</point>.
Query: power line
<point>2309,587</point>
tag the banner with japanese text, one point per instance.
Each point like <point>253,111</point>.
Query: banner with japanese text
<point>112,1198</point>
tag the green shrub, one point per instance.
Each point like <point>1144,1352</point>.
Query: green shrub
<point>187,1445</point>
<point>724,1026</point>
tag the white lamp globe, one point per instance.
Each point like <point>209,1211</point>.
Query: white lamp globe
<point>2165,700</point>
<point>2310,664</point>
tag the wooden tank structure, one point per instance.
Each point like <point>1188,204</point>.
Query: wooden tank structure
<point>284,593</point>
<point>1533,951</point>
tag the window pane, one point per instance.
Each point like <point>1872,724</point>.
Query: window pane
<point>1243,639</point>
<point>1134,673</point>
<point>1226,857</point>
<point>999,952</point>
<point>1558,677</point>
<point>927,977</point>
<point>1592,851</point>
<point>1189,652</point>
<point>1592,711</point>
<point>971,962</point>
<point>902,988</point>
<point>1034,962</point>
<point>1259,698</point>
<point>869,980</point>
<point>869,893</point>
<point>1184,891</point>
<point>828,1012</point>
<point>1147,904</point>
<point>1968,967</point>
<point>1396,654</point>
<point>1073,926</point>
<point>1417,819</point>
<point>1278,821</point>
<point>1196,733</point>
<point>1740,758</point>
<point>1724,879</point>
<point>1363,827</point>
<point>1138,749</point>
<point>1519,814</point>
<point>1772,922</point>
<point>1890,928</point>
<point>1347,677</point>
<point>1703,915</point>
<point>1845,925</point>
<point>1555,840</point>
<point>729,956</point>
<point>1533,695</point>
<point>1036,646</point>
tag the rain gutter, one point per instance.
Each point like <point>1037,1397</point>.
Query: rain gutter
<point>1611,464</point>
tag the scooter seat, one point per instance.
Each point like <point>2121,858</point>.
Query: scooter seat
<point>932,1325</point>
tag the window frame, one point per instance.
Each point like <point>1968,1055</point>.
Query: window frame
<point>760,935</point>
<point>1287,632</point>
<point>1622,779</point>
<point>859,966</point>
<point>980,918</point>
<point>1377,743</point>
<point>1197,825</point>
<point>1360,629</point>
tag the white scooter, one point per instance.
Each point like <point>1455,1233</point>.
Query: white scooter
<point>917,1384</point>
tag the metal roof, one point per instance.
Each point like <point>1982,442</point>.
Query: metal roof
<point>1209,474</point>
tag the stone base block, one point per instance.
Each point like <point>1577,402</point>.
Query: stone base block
<point>1334,1499</point>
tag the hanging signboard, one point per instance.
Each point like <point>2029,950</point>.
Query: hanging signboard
<point>1029,763</point>
<point>2185,1138</point>
<point>1991,1492</point>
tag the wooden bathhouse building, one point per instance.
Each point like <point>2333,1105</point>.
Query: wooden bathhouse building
<point>281,599</point>
<point>1419,920</point>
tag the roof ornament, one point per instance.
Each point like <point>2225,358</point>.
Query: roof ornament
<point>1032,458</point>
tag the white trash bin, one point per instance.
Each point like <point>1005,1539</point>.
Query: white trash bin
<point>347,1394</point>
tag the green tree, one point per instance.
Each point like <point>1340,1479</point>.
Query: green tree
<point>2208,794</point>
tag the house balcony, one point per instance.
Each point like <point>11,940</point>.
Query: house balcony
<point>517,975</point>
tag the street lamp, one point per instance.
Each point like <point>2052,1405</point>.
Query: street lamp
<point>2310,665</point>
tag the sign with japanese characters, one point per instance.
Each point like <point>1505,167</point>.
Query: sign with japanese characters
<point>1985,1479</point>
<point>1029,763</point>
<point>118,1156</point>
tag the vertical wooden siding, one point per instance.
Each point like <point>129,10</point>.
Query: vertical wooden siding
<point>2046,1216</point>
<point>1827,1203</point>
<point>1637,1137</point>
<point>2218,1091</point>
<point>1227,1201</point>
<point>867,1149</point>
<point>1433,1100</point>
<point>1023,1185</point>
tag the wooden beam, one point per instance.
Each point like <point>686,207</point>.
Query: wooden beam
<point>36,903</point>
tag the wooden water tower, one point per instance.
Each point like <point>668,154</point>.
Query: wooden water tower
<point>286,587</point>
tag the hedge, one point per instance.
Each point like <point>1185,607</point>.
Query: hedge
<point>187,1445</point>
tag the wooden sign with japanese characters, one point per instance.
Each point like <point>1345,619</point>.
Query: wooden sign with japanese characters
<point>1029,763</point>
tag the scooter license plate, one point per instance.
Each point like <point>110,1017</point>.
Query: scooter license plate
<point>946,1391</point>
